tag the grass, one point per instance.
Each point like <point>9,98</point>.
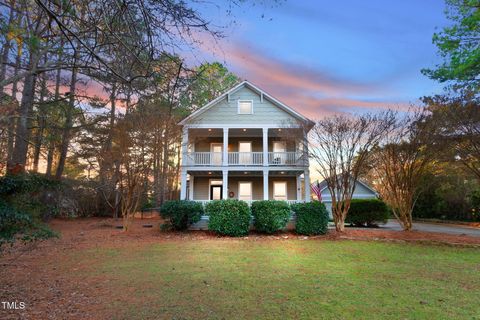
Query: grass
<point>238,279</point>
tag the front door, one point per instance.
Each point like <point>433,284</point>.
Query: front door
<point>215,192</point>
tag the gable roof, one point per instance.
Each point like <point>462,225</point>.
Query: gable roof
<point>309,123</point>
<point>323,186</point>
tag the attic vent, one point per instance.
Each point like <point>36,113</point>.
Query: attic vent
<point>245,107</point>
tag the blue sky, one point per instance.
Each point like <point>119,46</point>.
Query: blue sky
<point>323,57</point>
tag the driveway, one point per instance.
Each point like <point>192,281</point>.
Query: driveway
<point>455,229</point>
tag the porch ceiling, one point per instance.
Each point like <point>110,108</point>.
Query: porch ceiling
<point>245,132</point>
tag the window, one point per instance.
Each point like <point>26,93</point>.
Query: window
<point>279,152</point>
<point>245,191</point>
<point>245,107</point>
<point>279,146</point>
<point>280,190</point>
<point>216,153</point>
<point>244,152</point>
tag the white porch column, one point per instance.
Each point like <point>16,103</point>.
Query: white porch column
<point>265,184</point>
<point>306,179</point>
<point>184,145</point>
<point>225,147</point>
<point>190,187</point>
<point>225,184</point>
<point>299,188</point>
<point>183,185</point>
<point>265,147</point>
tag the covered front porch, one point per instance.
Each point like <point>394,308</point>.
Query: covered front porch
<point>249,186</point>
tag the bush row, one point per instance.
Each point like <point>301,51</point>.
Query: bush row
<point>367,212</point>
<point>232,217</point>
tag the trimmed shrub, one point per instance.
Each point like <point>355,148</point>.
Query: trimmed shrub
<point>367,212</point>
<point>270,215</point>
<point>229,217</point>
<point>311,218</point>
<point>180,214</point>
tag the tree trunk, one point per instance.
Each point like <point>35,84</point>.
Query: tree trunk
<point>41,125</point>
<point>407,221</point>
<point>12,120</point>
<point>50,152</point>
<point>108,173</point>
<point>340,226</point>
<point>51,143</point>
<point>66,132</point>
<point>22,134</point>
<point>113,110</point>
<point>338,217</point>
<point>4,56</point>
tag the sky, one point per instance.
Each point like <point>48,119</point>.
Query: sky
<point>325,57</point>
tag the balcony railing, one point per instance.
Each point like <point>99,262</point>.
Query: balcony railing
<point>246,159</point>
<point>204,159</point>
<point>286,159</point>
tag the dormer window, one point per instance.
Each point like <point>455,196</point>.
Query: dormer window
<point>245,107</point>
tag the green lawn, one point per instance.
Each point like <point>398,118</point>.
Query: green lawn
<point>277,279</point>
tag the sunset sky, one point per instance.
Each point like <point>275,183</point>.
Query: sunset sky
<point>322,57</point>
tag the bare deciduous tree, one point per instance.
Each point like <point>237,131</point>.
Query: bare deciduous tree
<point>339,147</point>
<point>400,163</point>
<point>132,167</point>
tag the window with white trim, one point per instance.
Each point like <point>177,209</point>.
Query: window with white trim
<point>280,190</point>
<point>245,107</point>
<point>245,191</point>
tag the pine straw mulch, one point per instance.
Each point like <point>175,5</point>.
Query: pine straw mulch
<point>35,273</point>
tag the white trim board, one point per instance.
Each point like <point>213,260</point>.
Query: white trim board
<point>242,126</point>
<point>299,169</point>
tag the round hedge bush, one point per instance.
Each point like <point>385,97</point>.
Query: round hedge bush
<point>180,214</point>
<point>270,215</point>
<point>228,217</point>
<point>311,218</point>
<point>367,212</point>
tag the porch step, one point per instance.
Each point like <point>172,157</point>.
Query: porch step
<point>200,225</point>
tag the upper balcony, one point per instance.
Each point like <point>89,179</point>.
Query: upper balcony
<point>245,147</point>
<point>246,159</point>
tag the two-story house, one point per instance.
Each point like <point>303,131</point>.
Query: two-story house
<point>245,145</point>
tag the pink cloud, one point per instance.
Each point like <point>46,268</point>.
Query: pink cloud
<point>314,93</point>
<point>274,73</point>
